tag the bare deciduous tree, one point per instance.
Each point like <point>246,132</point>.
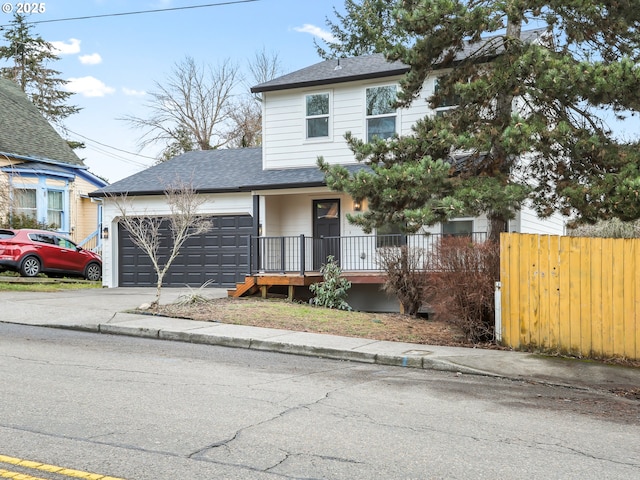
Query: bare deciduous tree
<point>184,222</point>
<point>246,118</point>
<point>246,130</point>
<point>193,98</point>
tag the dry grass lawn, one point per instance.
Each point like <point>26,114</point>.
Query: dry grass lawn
<point>279,313</point>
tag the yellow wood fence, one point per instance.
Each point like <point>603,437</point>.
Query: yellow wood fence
<point>574,295</point>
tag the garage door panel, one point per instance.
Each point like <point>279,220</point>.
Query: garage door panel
<point>219,255</point>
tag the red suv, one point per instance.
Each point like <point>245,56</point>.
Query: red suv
<point>31,252</point>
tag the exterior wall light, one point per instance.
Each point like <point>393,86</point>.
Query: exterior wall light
<point>357,205</point>
<point>105,233</point>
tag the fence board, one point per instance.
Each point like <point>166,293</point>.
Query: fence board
<point>573,295</point>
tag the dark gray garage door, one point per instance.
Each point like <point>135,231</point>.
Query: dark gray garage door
<point>220,255</point>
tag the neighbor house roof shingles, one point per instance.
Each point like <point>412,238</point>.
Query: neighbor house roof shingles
<point>25,133</point>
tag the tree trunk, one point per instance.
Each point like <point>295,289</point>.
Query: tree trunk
<point>497,225</point>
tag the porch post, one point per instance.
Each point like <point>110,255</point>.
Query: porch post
<point>249,255</point>
<point>302,254</point>
<point>254,252</point>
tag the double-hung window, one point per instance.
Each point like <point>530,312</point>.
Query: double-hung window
<point>55,207</point>
<point>380,112</point>
<point>25,203</point>
<point>317,115</point>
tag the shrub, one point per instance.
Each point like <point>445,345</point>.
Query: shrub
<point>463,285</point>
<point>332,292</point>
<point>406,278</point>
<point>21,220</point>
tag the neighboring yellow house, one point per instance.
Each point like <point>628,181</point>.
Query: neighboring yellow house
<point>41,177</point>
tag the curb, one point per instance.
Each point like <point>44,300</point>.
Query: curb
<point>406,361</point>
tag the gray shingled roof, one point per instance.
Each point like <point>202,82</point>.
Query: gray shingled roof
<point>369,67</point>
<point>24,132</point>
<point>215,171</point>
<point>335,71</point>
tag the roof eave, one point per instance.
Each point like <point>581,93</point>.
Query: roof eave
<point>330,81</point>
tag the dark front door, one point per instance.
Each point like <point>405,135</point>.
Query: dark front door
<point>326,231</point>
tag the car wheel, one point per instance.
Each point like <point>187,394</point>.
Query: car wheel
<point>93,272</point>
<point>30,267</point>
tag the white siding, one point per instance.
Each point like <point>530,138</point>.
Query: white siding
<point>284,132</point>
<point>529,222</point>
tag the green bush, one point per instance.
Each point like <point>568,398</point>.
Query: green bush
<point>332,292</point>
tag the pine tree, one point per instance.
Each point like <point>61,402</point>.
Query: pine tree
<point>28,55</point>
<point>517,98</point>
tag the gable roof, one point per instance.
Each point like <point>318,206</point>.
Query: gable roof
<point>374,66</point>
<point>25,133</point>
<point>216,171</point>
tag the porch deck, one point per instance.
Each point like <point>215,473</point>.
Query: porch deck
<point>296,261</point>
<point>263,282</point>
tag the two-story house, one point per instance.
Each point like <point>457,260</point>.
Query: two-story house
<point>275,220</point>
<point>41,178</point>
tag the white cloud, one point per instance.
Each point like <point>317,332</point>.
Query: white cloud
<point>70,47</point>
<point>93,59</point>
<point>133,93</point>
<point>316,32</point>
<point>88,87</point>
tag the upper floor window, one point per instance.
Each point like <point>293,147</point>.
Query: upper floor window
<point>446,103</point>
<point>381,114</point>
<point>317,115</point>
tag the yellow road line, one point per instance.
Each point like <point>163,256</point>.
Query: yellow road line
<point>17,476</point>
<point>67,472</point>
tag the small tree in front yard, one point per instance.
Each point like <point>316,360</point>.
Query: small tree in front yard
<point>332,292</point>
<point>184,222</point>
<point>463,285</point>
<point>405,276</point>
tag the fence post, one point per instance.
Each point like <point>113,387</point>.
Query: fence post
<point>498,312</point>
<point>302,254</point>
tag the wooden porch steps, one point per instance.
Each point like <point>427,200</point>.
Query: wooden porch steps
<point>249,287</point>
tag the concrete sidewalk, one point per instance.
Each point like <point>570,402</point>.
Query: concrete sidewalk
<point>101,310</point>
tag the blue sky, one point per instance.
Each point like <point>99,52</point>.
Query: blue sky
<point>112,62</point>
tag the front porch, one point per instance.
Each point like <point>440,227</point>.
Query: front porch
<point>295,262</point>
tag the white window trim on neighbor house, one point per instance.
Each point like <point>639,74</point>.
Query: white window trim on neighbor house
<point>315,116</point>
<point>371,115</point>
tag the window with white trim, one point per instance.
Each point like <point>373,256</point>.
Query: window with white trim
<point>380,112</point>
<point>458,228</point>
<point>317,115</point>
<point>447,103</point>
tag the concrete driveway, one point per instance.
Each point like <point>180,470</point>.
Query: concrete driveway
<point>84,307</point>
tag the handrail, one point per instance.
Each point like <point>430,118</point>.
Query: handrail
<point>300,254</point>
<point>91,242</point>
